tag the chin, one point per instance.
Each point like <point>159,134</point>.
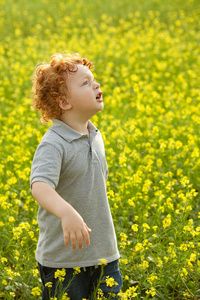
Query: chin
<point>101,107</point>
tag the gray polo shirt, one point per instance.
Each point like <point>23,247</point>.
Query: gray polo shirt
<point>75,166</point>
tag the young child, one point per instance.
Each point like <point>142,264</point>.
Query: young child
<point>68,180</point>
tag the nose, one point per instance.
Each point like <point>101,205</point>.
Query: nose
<point>96,85</point>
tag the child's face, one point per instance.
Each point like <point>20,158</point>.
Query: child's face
<point>85,95</point>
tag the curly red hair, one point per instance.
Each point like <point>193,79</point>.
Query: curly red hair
<point>50,83</point>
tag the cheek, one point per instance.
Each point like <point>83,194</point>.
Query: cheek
<point>84,95</point>
<point>88,95</point>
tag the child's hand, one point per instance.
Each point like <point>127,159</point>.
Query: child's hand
<point>74,229</point>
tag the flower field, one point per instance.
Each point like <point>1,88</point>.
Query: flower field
<point>147,59</point>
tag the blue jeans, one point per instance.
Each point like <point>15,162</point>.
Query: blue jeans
<point>84,283</point>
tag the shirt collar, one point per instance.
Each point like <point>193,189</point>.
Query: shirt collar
<point>68,133</point>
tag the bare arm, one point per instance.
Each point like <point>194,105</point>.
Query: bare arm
<point>74,228</point>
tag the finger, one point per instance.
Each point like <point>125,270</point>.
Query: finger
<point>79,238</point>
<point>66,239</point>
<point>86,236</point>
<point>87,228</point>
<point>73,240</point>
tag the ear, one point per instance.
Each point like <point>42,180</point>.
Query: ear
<point>64,104</point>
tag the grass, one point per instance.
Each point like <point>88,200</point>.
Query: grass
<point>147,60</point>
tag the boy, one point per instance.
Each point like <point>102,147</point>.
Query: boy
<point>68,180</point>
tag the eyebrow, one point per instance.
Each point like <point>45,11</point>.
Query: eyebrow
<point>88,76</point>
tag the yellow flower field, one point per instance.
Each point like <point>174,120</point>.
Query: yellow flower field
<point>147,59</point>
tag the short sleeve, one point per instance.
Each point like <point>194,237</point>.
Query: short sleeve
<point>46,165</point>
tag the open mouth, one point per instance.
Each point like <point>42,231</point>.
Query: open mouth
<point>99,97</point>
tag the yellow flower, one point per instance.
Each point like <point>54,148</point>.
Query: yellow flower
<point>77,270</point>
<point>36,291</point>
<point>99,294</point>
<point>145,226</point>
<point>167,221</point>
<point>110,281</point>
<point>4,282</point>
<point>65,297</point>
<point>135,227</point>
<point>4,259</point>
<point>183,247</point>
<point>60,274</point>
<point>49,284</point>
<point>184,273</point>
<point>124,261</point>
<point>129,293</point>
<point>31,234</point>
<point>152,291</point>
<point>12,294</point>
<point>139,247</point>
<point>103,261</point>
<point>151,278</point>
<point>184,181</point>
<point>187,295</point>
<point>123,236</point>
<point>11,219</point>
<point>131,202</point>
<point>144,265</point>
<point>155,228</point>
<point>35,272</point>
<point>193,257</point>
<point>160,262</point>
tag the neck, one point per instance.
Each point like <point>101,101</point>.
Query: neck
<point>79,125</point>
